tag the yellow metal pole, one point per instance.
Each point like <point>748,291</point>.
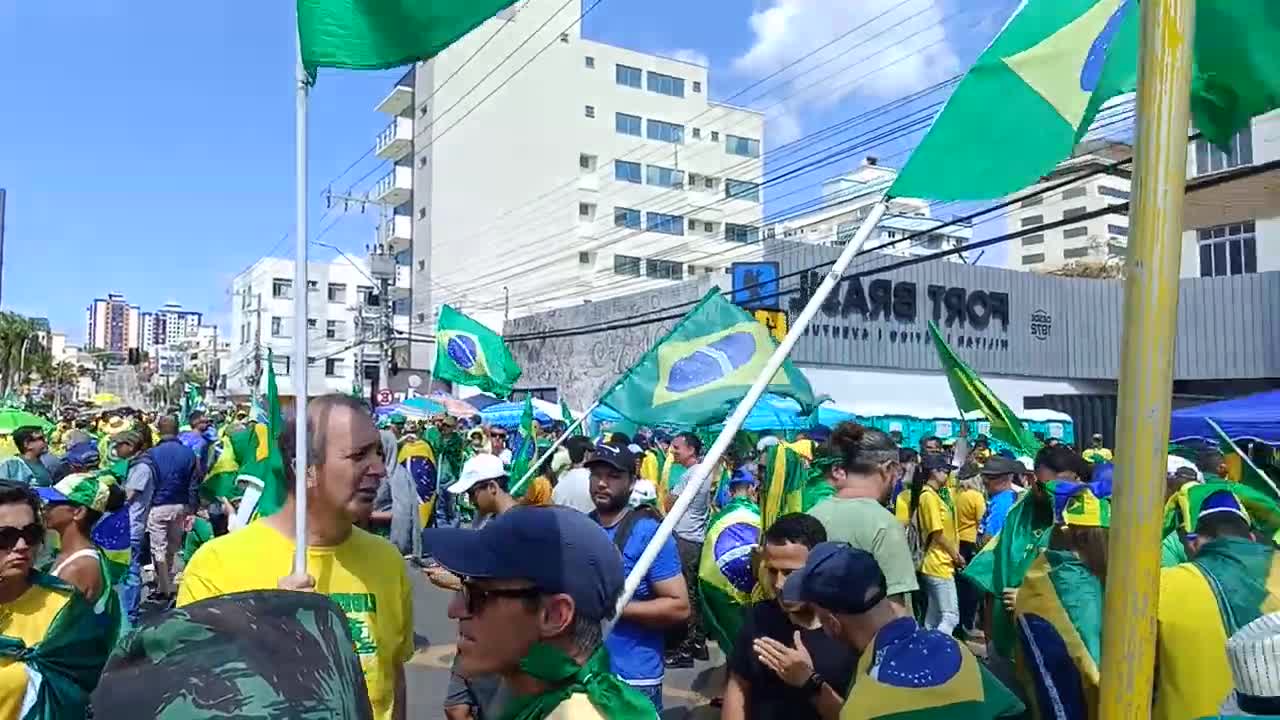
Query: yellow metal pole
<point>1146,363</point>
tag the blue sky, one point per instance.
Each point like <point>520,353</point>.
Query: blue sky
<point>147,145</point>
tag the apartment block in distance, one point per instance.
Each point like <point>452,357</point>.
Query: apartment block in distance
<point>595,171</point>
<point>168,325</point>
<point>112,324</point>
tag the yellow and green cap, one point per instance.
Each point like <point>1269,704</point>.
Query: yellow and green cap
<point>90,490</point>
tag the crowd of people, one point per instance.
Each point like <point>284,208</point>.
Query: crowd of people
<point>867,578</point>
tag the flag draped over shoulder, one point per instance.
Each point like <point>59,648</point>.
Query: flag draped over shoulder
<point>419,457</point>
<point>1059,621</point>
<point>699,371</point>
<point>782,487</point>
<point>468,353</point>
<point>526,453</point>
<point>725,577</point>
<point>362,35</point>
<point>1049,71</point>
<point>972,394</point>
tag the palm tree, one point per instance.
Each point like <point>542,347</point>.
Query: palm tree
<point>20,349</point>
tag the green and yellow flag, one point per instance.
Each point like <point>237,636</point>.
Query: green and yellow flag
<point>972,394</point>
<point>526,453</point>
<point>1240,468</point>
<point>268,463</point>
<point>725,578</point>
<point>698,372</point>
<point>468,353</point>
<point>361,35</point>
<point>568,419</point>
<point>783,484</point>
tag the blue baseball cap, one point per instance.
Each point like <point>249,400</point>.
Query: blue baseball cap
<point>83,454</point>
<point>558,549</point>
<point>839,578</point>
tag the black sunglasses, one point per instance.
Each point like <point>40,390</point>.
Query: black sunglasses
<point>10,535</point>
<point>476,598</point>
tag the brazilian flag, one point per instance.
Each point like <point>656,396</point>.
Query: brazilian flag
<point>725,577</point>
<point>111,535</point>
<point>468,353</point>
<point>699,371</point>
<point>783,485</point>
<point>420,459</point>
<point>220,481</point>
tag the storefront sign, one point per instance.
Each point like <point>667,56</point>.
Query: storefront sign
<point>775,320</point>
<point>884,300</point>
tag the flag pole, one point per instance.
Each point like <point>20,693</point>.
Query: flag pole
<point>301,365</point>
<point>1146,360</point>
<point>537,462</point>
<point>700,472</point>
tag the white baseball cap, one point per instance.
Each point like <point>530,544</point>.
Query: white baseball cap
<point>478,469</point>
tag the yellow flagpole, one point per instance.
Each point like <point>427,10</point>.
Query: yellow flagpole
<point>1146,363</point>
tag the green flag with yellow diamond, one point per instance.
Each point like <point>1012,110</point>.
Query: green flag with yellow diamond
<point>1027,100</point>
<point>468,353</point>
<point>698,373</point>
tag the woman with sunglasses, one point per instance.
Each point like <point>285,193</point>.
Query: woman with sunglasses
<point>52,646</point>
<point>71,509</point>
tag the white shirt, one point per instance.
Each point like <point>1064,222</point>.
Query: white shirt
<point>574,490</point>
<point>644,491</point>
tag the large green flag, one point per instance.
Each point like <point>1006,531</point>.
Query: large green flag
<point>269,465</point>
<point>468,353</point>
<point>702,369</point>
<point>725,579</point>
<point>972,394</point>
<point>568,418</point>
<point>365,35</point>
<point>527,452</point>
<point>1027,100</point>
<point>1237,76</point>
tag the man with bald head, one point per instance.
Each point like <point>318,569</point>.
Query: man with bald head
<point>178,477</point>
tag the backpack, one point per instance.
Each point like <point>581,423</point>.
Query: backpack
<point>628,523</point>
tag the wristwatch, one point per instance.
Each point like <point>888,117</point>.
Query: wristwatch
<point>813,685</point>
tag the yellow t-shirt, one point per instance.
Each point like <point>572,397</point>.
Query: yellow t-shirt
<point>538,494</point>
<point>936,515</point>
<point>1097,455</point>
<point>32,614</point>
<point>365,576</point>
<point>1192,675</point>
<point>576,707</point>
<point>970,507</point>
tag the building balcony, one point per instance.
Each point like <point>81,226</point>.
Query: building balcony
<point>395,188</point>
<point>396,233</point>
<point>396,140</point>
<point>401,96</point>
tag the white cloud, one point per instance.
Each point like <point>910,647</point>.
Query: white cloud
<point>896,49</point>
<point>688,55</point>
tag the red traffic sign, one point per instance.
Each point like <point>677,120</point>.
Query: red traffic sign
<point>384,397</point>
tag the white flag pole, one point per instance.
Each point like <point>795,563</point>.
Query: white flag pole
<point>533,468</point>
<point>300,363</point>
<point>700,472</point>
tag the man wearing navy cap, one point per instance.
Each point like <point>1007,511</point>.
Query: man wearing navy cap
<point>849,591</point>
<point>537,583</point>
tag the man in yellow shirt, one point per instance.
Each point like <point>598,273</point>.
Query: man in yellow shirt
<point>942,553</point>
<point>1097,453</point>
<point>363,574</point>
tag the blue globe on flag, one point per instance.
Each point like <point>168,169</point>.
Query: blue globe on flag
<point>733,555</point>
<point>462,350</point>
<point>712,362</point>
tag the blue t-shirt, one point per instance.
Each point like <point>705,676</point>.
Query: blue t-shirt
<point>997,507</point>
<point>635,651</point>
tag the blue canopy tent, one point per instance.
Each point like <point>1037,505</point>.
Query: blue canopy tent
<point>772,412</point>
<point>1252,417</point>
<point>419,408</point>
<point>508,414</point>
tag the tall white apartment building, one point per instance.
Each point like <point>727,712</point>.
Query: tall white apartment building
<point>342,341</point>
<point>847,201</point>
<point>1099,239</point>
<point>595,171</point>
<point>170,324</point>
<point>111,323</point>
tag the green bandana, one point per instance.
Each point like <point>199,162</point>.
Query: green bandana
<point>611,697</point>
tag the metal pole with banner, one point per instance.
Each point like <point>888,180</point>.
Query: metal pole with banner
<point>301,361</point>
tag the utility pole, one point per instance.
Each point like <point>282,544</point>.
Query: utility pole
<point>506,304</point>
<point>257,346</point>
<point>382,266</point>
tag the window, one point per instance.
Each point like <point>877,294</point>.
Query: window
<point>1120,230</point>
<point>627,75</point>
<point>1075,232</point>
<point>282,364</point>
<point>626,171</point>
<point>333,367</point>
<point>697,86</point>
<point>591,62</point>
<point>697,133</point>
<point>1105,191</point>
<point>666,132</point>
<point>422,161</point>
<point>1117,250</point>
<point>741,233</point>
<point>626,217</point>
<point>584,210</point>
<point>337,292</point>
<point>422,213</point>
<point>422,317</point>
<point>1073,212</point>
<point>312,323</point>
<point>742,190</point>
<point>404,257</point>
<point>422,265</point>
<point>281,288</point>
<point>626,265</point>
<point>627,124</point>
<point>1076,252</point>
<point>709,227</point>
<point>1210,159</point>
<point>668,224</point>
<point>590,111</point>
<point>666,84</point>
<point>746,147</point>
<point>400,307</point>
<point>1228,250</point>
<point>1074,192</point>
<point>332,330</point>
<point>364,292</point>
<point>715,136</point>
<point>313,286</point>
<point>1033,201</point>
<point>585,161</point>
<point>1036,239</point>
<point>1033,259</point>
<point>584,258</point>
<point>663,269</point>
<point>1030,220</point>
<point>710,183</point>
<point>663,177</point>
<point>693,224</point>
<point>278,328</point>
